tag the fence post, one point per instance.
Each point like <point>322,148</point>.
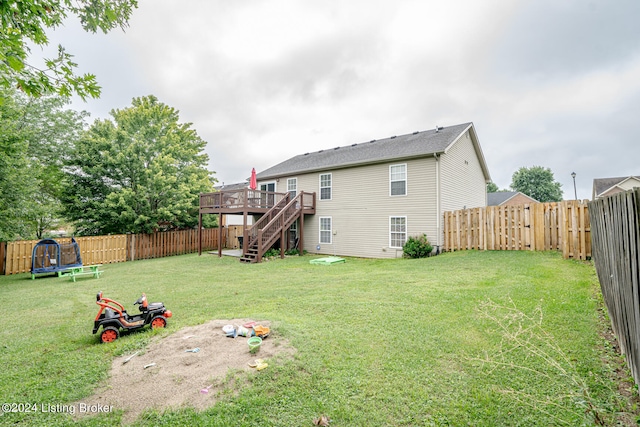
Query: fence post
<point>132,247</point>
<point>3,251</point>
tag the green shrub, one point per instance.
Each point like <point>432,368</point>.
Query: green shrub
<point>417,247</point>
<point>271,253</point>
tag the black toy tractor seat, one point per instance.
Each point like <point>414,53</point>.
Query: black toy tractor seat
<point>152,306</point>
<point>109,313</point>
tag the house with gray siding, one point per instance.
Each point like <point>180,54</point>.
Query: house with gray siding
<point>371,196</point>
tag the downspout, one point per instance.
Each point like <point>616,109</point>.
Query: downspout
<point>438,205</point>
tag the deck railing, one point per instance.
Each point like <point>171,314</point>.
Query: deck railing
<point>251,235</point>
<point>240,199</point>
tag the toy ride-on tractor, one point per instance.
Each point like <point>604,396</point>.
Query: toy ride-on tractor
<point>113,317</point>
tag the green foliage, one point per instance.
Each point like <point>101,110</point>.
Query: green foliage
<point>16,183</point>
<point>417,247</point>
<point>26,22</point>
<point>272,253</point>
<point>140,173</point>
<point>538,183</point>
<point>492,188</point>
<point>35,137</point>
<point>528,347</point>
<point>294,252</point>
<point>52,129</point>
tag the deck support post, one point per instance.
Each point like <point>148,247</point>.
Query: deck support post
<point>220,235</point>
<point>282,233</point>
<point>199,233</point>
<point>301,231</point>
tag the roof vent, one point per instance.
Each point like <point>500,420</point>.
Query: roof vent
<point>373,140</point>
<point>393,136</point>
<point>306,154</point>
<point>416,132</point>
<point>353,145</point>
<point>439,128</point>
<point>320,151</point>
<point>337,148</point>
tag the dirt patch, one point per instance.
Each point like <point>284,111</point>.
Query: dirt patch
<point>177,376</point>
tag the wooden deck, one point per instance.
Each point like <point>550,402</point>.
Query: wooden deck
<point>277,212</point>
<point>251,202</point>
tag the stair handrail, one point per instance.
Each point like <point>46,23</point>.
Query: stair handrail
<point>270,232</point>
<point>252,233</point>
<point>262,236</point>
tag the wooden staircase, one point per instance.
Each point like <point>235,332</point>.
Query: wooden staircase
<point>271,227</point>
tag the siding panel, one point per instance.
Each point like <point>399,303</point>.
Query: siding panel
<point>361,207</point>
<point>463,184</point>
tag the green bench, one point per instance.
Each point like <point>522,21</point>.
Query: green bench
<point>85,270</point>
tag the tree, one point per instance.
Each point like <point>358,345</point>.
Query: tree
<point>35,136</point>
<point>16,183</point>
<point>26,21</point>
<point>51,130</point>
<point>538,183</point>
<point>492,188</point>
<point>140,173</point>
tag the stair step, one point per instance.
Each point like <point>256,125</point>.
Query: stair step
<point>251,254</point>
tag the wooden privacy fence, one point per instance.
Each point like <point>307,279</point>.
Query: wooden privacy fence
<point>616,255</point>
<point>170,243</point>
<point>15,257</point>
<point>94,250</point>
<point>562,226</point>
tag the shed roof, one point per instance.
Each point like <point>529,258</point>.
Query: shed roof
<point>416,144</point>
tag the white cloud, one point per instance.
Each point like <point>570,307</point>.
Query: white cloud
<point>545,83</point>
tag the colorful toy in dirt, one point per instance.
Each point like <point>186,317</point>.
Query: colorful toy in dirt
<point>114,318</point>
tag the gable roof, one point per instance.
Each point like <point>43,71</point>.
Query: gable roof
<point>416,144</point>
<point>500,197</point>
<point>602,185</point>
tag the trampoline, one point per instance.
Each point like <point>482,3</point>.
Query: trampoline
<point>50,256</point>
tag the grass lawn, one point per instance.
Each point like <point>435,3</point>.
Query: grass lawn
<point>465,338</point>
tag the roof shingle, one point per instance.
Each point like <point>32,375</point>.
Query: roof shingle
<point>396,147</point>
<point>601,185</point>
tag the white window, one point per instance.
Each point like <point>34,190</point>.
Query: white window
<point>325,229</point>
<point>397,231</point>
<point>292,187</point>
<point>325,186</point>
<point>267,197</point>
<point>398,180</point>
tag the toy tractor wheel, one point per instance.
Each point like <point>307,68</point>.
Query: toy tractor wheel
<point>158,322</point>
<point>109,334</point>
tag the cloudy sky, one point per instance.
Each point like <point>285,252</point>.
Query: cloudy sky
<point>546,83</point>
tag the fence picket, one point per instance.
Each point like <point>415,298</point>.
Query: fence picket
<point>115,248</point>
<point>538,226</point>
<point>615,221</point>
